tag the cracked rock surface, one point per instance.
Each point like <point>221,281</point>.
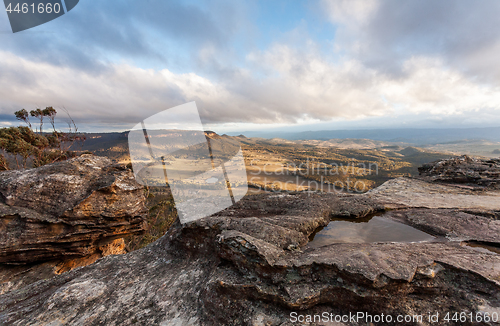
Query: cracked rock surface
<point>464,170</point>
<point>250,265</point>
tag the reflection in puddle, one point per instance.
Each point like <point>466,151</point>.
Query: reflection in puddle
<point>482,247</point>
<point>365,230</point>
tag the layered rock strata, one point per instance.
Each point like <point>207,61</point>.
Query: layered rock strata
<point>251,265</point>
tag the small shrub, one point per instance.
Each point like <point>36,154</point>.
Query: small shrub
<point>28,148</point>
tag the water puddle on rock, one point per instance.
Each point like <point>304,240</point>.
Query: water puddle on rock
<point>374,228</point>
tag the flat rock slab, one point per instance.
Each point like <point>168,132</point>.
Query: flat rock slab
<point>250,265</point>
<point>452,224</point>
<point>409,192</point>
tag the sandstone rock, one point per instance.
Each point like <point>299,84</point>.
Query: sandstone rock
<point>464,170</point>
<point>67,209</point>
<point>13,277</point>
<point>224,270</point>
<point>453,224</point>
<point>251,265</point>
<point>411,192</point>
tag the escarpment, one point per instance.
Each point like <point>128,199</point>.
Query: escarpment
<point>252,264</point>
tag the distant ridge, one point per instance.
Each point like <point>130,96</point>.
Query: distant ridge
<point>413,136</point>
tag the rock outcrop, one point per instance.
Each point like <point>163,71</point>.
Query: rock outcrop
<point>16,276</point>
<point>464,170</point>
<point>67,209</point>
<point>251,265</point>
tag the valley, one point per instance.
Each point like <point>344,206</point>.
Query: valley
<point>336,165</point>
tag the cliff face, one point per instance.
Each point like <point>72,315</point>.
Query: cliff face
<point>251,265</point>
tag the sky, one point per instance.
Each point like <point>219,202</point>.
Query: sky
<point>260,65</point>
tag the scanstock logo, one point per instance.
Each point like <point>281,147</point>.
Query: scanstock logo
<point>26,14</point>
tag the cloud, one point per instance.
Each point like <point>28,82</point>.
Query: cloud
<point>433,88</point>
<point>350,89</point>
<point>384,35</point>
<point>424,59</point>
<point>300,86</point>
<point>121,94</point>
<point>146,32</point>
<point>127,94</point>
<point>350,12</point>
